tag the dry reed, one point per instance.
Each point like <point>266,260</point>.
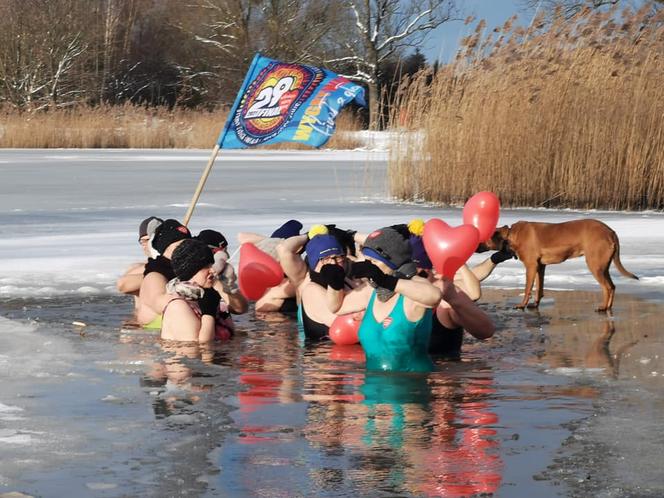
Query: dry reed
<point>562,114</point>
<point>132,126</point>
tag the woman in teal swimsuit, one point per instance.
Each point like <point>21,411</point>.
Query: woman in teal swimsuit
<point>396,327</point>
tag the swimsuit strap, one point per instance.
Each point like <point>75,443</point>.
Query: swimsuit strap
<point>194,307</point>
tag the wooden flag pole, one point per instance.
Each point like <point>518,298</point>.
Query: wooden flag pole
<point>201,184</point>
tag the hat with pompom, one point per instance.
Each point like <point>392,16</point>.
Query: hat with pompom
<point>389,246</point>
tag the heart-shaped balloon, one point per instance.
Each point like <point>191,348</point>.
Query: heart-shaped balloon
<point>482,211</point>
<point>344,330</point>
<point>257,272</point>
<point>449,247</point>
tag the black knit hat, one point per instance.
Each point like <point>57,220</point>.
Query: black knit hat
<point>148,226</point>
<point>389,246</point>
<point>168,232</point>
<point>289,229</point>
<point>190,257</point>
<point>213,238</point>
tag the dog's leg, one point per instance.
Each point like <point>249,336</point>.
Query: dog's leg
<point>531,271</point>
<point>540,285</point>
<point>608,288</point>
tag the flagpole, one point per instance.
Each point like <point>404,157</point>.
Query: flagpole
<point>201,184</point>
<point>220,141</point>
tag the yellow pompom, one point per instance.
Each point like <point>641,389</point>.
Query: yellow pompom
<point>317,230</point>
<point>416,226</point>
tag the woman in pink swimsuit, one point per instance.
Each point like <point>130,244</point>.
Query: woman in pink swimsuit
<point>195,311</point>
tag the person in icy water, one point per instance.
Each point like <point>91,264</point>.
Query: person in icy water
<point>194,311</point>
<point>158,271</point>
<point>325,267</point>
<point>130,282</point>
<point>225,277</point>
<point>280,298</point>
<point>455,313</point>
<point>396,327</point>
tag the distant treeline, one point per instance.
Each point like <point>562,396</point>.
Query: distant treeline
<point>568,112</point>
<point>62,53</point>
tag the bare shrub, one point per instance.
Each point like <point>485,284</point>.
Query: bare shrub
<point>130,126</point>
<point>567,114</point>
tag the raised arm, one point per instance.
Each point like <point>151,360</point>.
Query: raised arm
<point>466,280</point>
<point>291,262</point>
<point>458,310</point>
<point>130,282</point>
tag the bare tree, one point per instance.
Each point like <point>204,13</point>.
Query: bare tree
<point>230,32</point>
<point>41,51</point>
<point>380,30</point>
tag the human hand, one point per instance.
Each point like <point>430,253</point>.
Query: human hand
<point>228,279</point>
<point>209,302</point>
<point>220,259</point>
<point>366,269</point>
<point>158,265</point>
<point>334,276</point>
<point>504,254</point>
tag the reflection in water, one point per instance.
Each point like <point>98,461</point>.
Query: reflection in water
<point>591,346</point>
<point>172,377</point>
<point>313,421</point>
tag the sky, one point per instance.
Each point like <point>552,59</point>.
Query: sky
<point>443,42</point>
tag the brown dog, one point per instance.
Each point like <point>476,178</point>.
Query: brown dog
<point>541,244</point>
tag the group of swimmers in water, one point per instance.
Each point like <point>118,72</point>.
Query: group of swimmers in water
<point>188,288</point>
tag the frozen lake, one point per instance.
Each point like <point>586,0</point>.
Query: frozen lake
<point>69,218</point>
<point>562,402</point>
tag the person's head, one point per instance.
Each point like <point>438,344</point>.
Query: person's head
<point>192,261</point>
<point>387,249</point>
<point>323,250</point>
<point>168,235</point>
<point>215,240</point>
<point>146,230</point>
<point>218,244</point>
<point>289,229</point>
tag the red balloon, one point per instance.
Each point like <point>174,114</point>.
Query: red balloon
<point>449,247</point>
<point>482,211</point>
<point>257,272</point>
<point>344,330</point>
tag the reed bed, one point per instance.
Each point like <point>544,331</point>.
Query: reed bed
<point>568,113</point>
<point>131,126</point>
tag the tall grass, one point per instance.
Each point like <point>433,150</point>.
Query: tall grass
<point>132,126</point>
<point>561,114</point>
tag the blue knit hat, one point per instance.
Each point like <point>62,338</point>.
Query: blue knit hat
<point>322,246</point>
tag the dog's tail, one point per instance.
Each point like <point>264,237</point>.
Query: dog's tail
<point>618,264</point>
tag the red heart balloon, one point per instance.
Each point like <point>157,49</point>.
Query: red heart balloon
<point>344,330</point>
<point>449,247</point>
<point>482,211</point>
<point>257,272</point>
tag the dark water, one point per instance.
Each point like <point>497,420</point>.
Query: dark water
<point>117,413</point>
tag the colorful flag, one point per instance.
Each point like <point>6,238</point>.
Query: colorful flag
<point>282,102</point>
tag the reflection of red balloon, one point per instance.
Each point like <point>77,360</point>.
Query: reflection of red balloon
<point>352,353</point>
<point>482,211</point>
<point>344,330</point>
<point>449,247</point>
<point>257,271</point>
